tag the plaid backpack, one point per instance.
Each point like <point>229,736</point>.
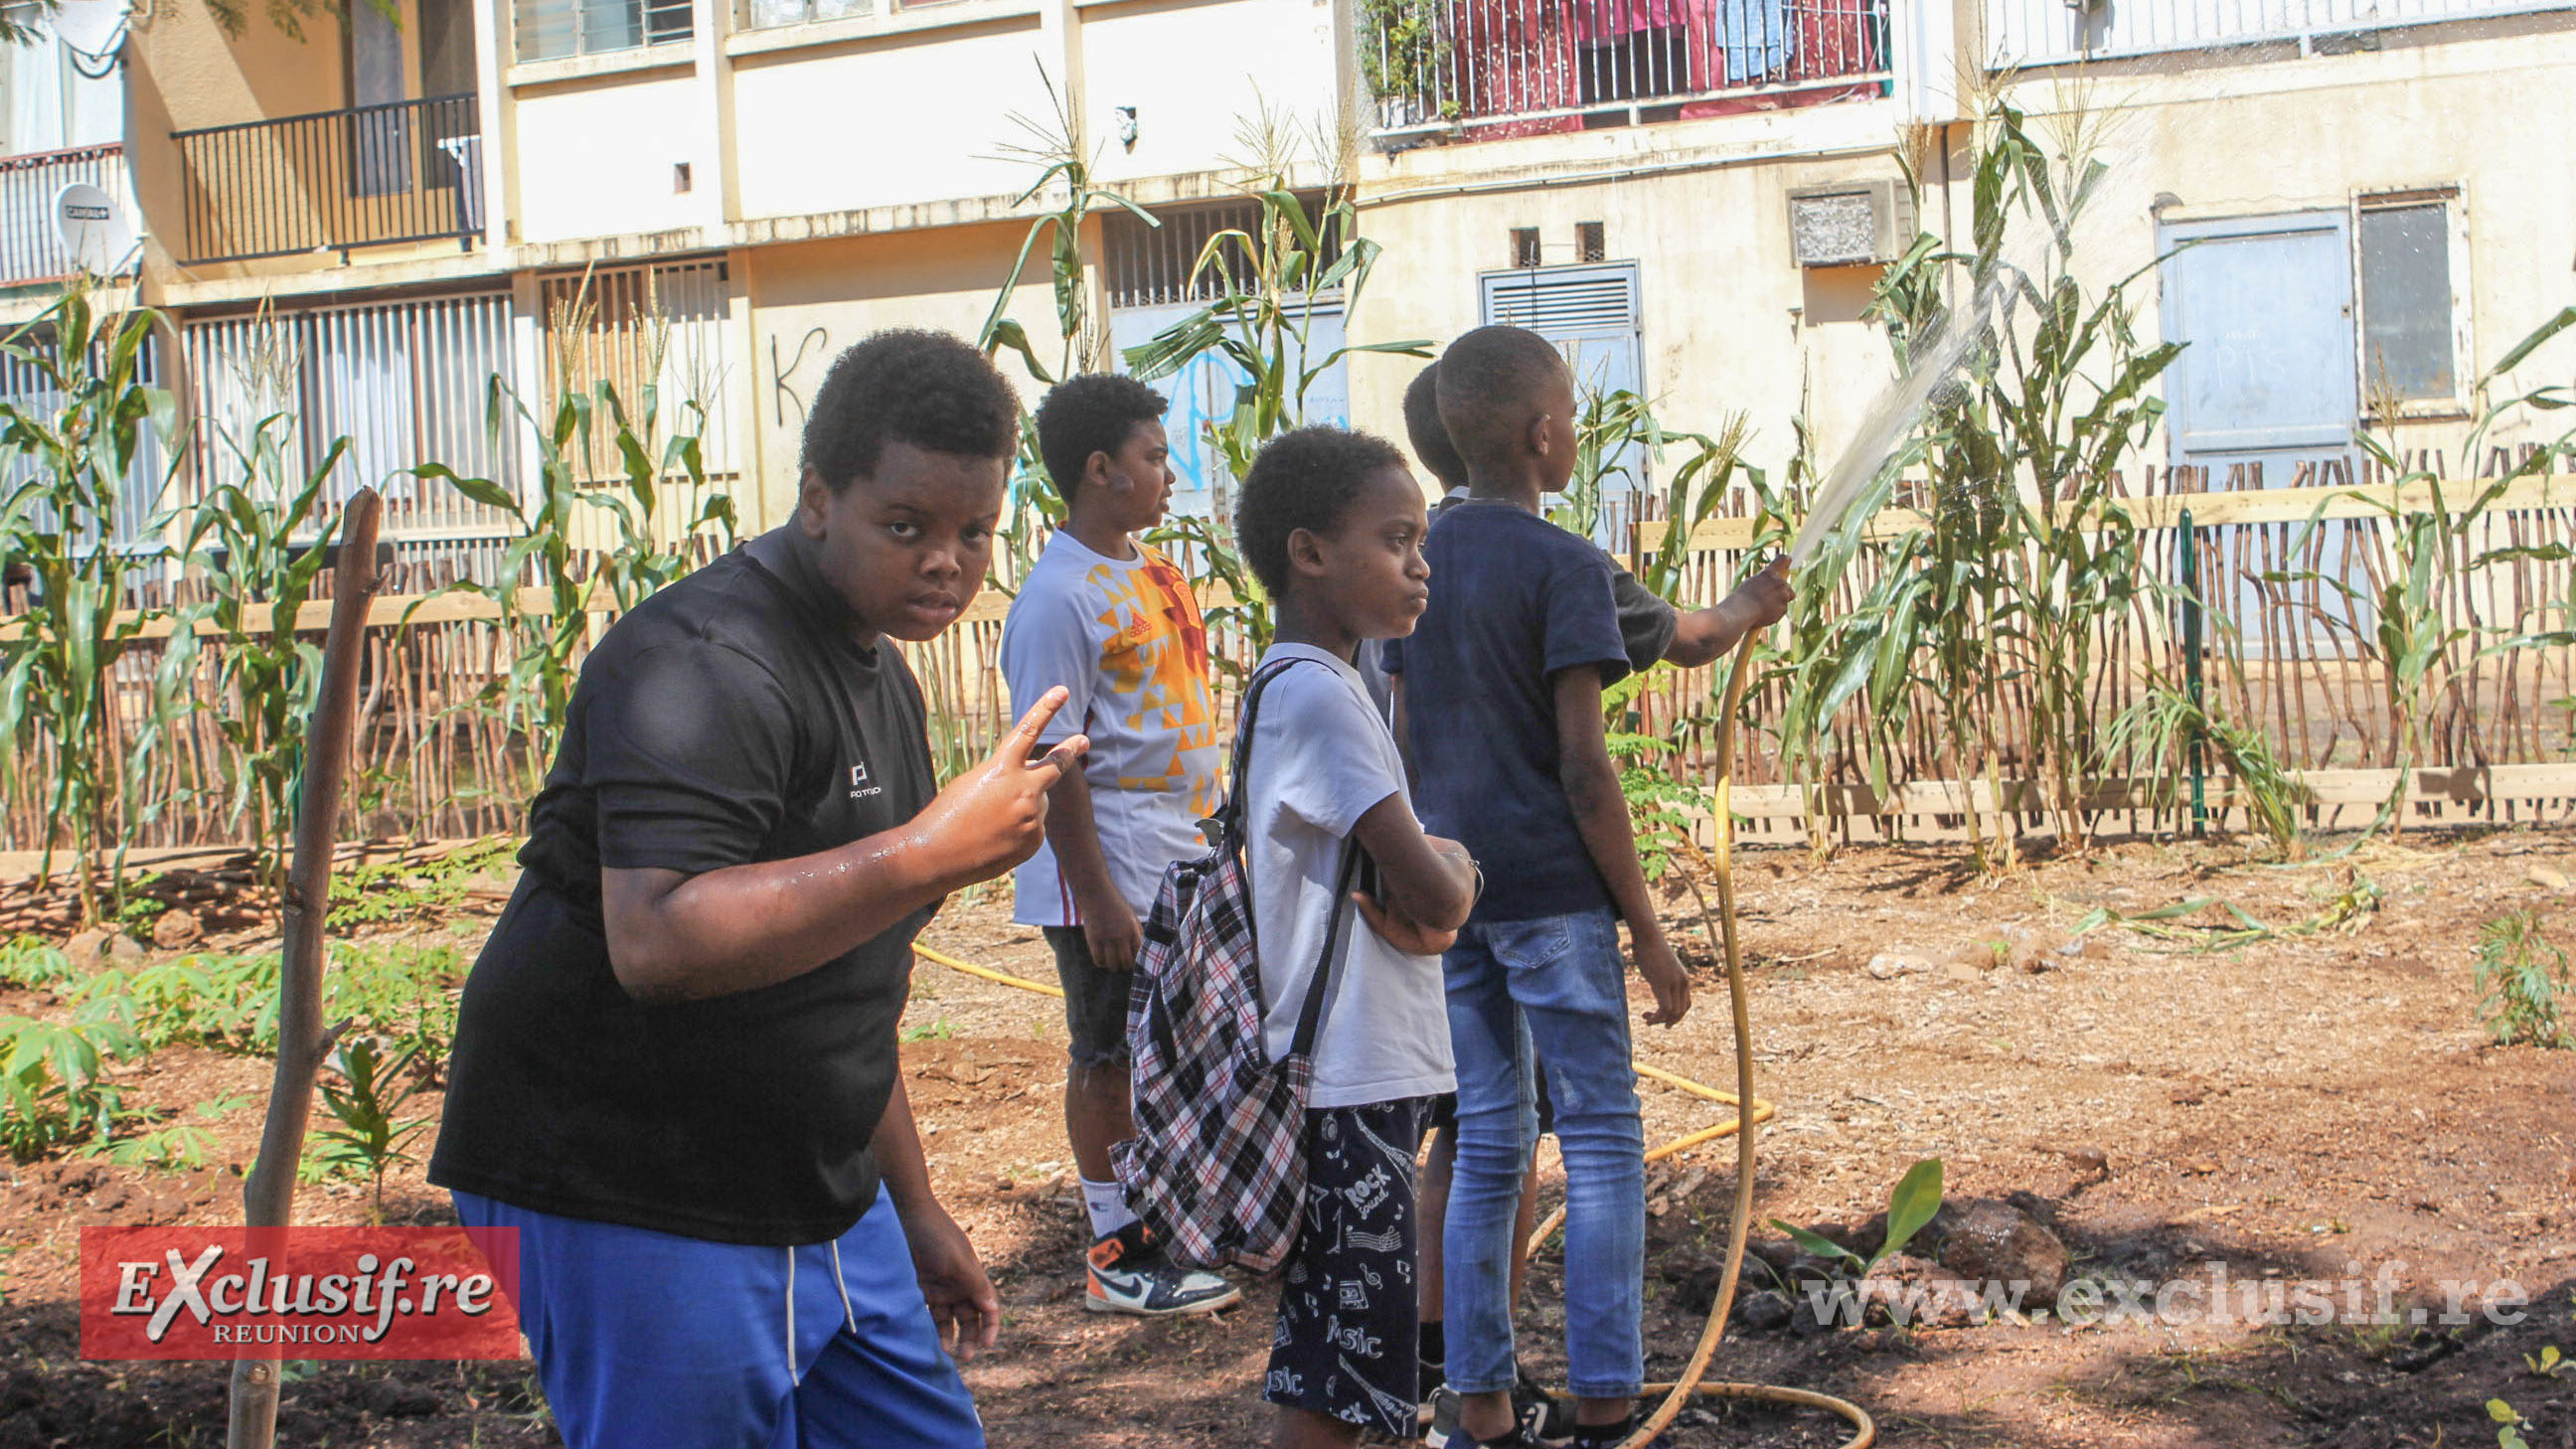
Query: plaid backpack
<point>1217,1168</point>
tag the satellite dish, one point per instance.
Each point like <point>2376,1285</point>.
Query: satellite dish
<point>95,232</point>
<point>95,28</point>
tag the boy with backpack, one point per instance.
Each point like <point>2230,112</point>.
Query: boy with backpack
<point>1112,621</point>
<point>1499,693</point>
<point>1352,902</point>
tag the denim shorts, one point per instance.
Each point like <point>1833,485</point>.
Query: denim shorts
<point>1095,1001</point>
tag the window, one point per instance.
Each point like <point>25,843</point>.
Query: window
<point>552,29</point>
<point>1525,250</point>
<point>2408,341</point>
<point>766,13</point>
<point>1591,242</point>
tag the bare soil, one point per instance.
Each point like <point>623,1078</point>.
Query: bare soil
<point>2286,1109</point>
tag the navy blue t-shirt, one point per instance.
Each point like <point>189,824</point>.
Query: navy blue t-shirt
<point>1514,601</point>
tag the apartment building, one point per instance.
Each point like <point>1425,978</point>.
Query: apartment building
<point>2375,192</point>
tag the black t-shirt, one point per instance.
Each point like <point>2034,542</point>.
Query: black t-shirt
<point>725,721</point>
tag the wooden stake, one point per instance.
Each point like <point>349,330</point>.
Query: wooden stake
<point>268,1198</point>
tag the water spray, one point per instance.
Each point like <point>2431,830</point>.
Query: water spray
<point>1853,479</point>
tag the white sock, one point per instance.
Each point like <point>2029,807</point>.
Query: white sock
<point>1107,1206</point>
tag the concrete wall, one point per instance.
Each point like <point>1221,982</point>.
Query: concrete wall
<point>810,301</point>
<point>1195,70</point>
<point>913,116</point>
<point>595,157</point>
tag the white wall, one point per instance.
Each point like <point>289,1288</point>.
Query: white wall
<point>595,158</point>
<point>1194,70</point>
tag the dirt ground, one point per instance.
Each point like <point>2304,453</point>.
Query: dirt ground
<point>2308,1106</point>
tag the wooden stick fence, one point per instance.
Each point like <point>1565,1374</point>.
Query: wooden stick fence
<point>2302,661</point>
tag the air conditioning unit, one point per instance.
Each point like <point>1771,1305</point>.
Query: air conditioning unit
<point>1850,223</point>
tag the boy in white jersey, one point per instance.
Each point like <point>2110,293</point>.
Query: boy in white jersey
<point>1113,622</point>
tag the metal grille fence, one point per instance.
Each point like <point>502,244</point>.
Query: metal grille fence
<point>31,245</point>
<point>404,382</point>
<point>2027,32</point>
<point>1560,64</point>
<point>404,171</point>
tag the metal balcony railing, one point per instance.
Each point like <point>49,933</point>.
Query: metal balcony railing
<point>1561,64</point>
<point>2041,32</point>
<point>403,171</point>
<point>31,244</point>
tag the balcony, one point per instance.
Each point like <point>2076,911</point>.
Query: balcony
<point>404,171</point>
<point>2051,32</point>
<point>31,244</point>
<point>1486,69</point>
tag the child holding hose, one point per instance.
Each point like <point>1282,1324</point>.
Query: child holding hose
<point>1650,629</point>
<point>1499,698</point>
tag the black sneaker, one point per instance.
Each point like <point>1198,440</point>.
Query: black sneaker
<point>1544,1418</point>
<point>1445,1433</point>
<point>1128,1274</point>
<point>1611,1436</point>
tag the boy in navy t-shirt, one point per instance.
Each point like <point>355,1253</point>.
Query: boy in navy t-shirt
<point>1499,700</point>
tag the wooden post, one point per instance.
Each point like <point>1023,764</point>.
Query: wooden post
<point>268,1198</point>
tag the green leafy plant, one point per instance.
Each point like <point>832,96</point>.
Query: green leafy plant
<point>367,1100</point>
<point>268,517</point>
<point>28,961</point>
<point>53,1086</point>
<point>2524,994</point>
<point>2510,1425</point>
<point>2156,731</point>
<point>596,460</point>
<point>1403,46</point>
<point>1911,1206</point>
<point>179,1146</point>
<point>2547,1364</point>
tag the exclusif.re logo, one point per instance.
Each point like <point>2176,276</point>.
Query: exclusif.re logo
<point>319,1292</point>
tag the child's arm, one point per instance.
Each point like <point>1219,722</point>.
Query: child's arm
<point>1427,883</point>
<point>962,1303</point>
<point>1705,634</point>
<point>676,937</point>
<point>1109,924</point>
<point>1601,816</point>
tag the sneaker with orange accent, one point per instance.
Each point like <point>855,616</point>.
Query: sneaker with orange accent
<point>1129,1274</point>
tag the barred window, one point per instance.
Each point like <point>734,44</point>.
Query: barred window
<point>552,29</point>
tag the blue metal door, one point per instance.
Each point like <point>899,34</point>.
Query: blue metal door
<point>2268,379</point>
<point>2266,306</point>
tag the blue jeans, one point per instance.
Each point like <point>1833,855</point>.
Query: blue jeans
<point>644,1340</point>
<point>1562,980</point>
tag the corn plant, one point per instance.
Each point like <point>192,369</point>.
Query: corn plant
<point>268,519</point>
<point>2025,557</point>
<point>1032,507</point>
<point>2154,733</point>
<point>595,459</point>
<point>62,518</point>
<point>2424,644</point>
<point>1270,280</point>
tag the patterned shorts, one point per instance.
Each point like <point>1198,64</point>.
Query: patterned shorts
<point>1349,1338</point>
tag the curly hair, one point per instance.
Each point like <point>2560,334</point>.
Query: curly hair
<point>1092,413</point>
<point>928,389</point>
<point>1305,479</point>
<point>1428,435</point>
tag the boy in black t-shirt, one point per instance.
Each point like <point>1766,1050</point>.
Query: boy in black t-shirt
<point>675,1070</point>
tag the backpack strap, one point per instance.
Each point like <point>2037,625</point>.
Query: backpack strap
<point>1310,1018</point>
